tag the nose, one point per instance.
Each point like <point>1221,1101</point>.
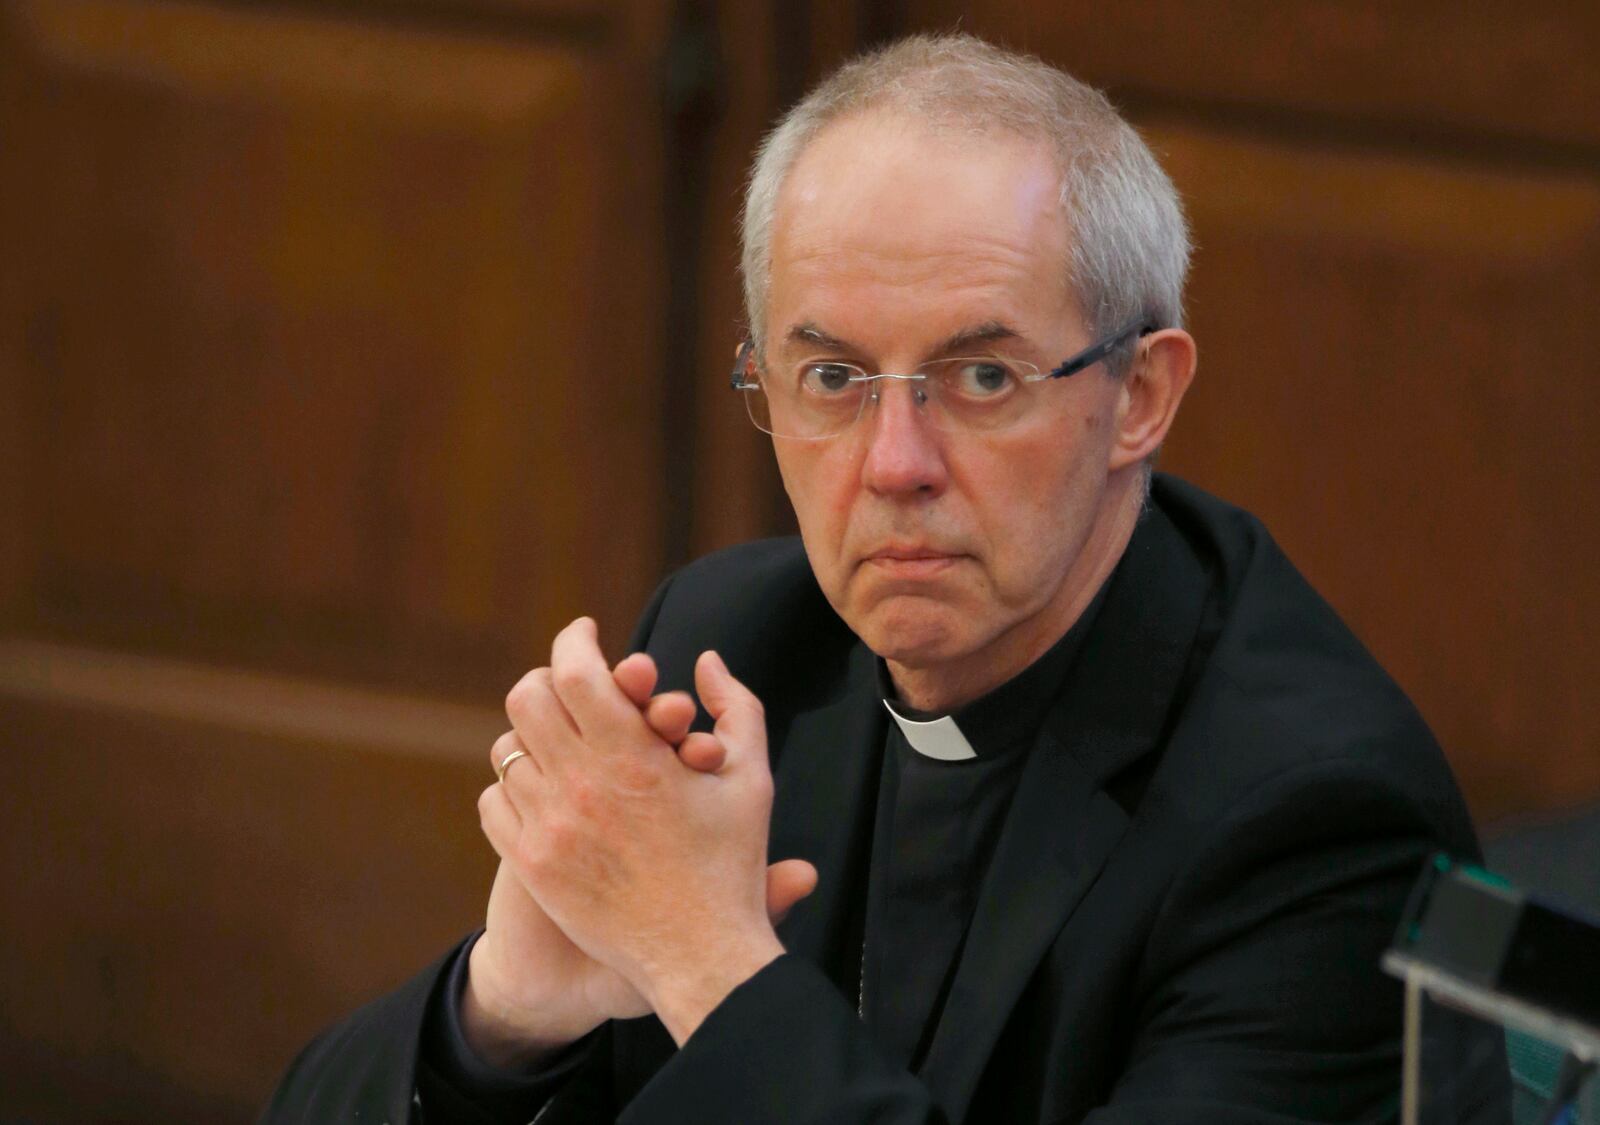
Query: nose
<point>904,453</point>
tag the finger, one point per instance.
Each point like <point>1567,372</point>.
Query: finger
<point>740,720</point>
<point>501,750</point>
<point>703,752</point>
<point>607,719</point>
<point>788,881</point>
<point>669,715</point>
<point>636,676</point>
<point>499,819</point>
<point>540,721</point>
<point>533,691</point>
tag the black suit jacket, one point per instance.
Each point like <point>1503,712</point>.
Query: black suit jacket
<point>1209,848</point>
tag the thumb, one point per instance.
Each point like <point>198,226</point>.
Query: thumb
<point>788,881</point>
<point>740,721</point>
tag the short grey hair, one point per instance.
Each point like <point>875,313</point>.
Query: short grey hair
<point>1130,244</point>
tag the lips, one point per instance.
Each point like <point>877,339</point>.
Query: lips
<point>908,554</point>
<point>910,561</point>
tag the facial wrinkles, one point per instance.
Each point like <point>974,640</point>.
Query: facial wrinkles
<point>893,260</point>
<point>978,277</point>
<point>880,299</point>
<point>941,520</point>
<point>876,526</point>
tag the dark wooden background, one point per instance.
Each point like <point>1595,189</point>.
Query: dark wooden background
<point>348,348</point>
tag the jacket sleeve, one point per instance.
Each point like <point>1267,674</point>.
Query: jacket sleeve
<point>783,1047</point>
<point>1264,1002</point>
<point>455,1086</point>
<point>363,1068</point>
<point>1260,1000</point>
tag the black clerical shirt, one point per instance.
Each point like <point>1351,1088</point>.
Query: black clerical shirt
<point>934,833</point>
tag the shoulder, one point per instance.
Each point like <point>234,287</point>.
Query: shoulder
<point>741,578</point>
<point>757,605</point>
<point>1287,701</point>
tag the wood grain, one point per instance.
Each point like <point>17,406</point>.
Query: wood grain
<point>312,318</point>
<point>1394,375</point>
<point>190,900</point>
<point>1474,74</point>
<point>332,382</point>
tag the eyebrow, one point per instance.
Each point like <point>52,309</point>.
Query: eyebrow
<point>986,333</point>
<point>807,332</point>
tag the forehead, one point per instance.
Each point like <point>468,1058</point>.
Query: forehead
<point>885,218</point>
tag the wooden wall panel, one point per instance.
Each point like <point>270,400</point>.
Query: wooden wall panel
<point>336,354</point>
<point>1398,219</point>
<point>1479,73</point>
<point>736,489</point>
<point>15,537</point>
<point>189,899</point>
<point>1392,376</point>
<point>772,53</point>
<point>329,346</point>
<point>312,314</point>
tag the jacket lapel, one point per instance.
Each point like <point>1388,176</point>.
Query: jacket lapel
<point>1062,825</point>
<point>826,784</point>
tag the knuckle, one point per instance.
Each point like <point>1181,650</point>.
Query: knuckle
<point>569,680</point>
<point>528,695</point>
<point>517,698</point>
<point>529,861</point>
<point>582,799</point>
<point>557,840</point>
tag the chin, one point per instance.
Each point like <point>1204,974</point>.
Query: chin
<point>913,631</point>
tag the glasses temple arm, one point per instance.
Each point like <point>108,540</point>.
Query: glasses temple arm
<point>740,362</point>
<point>1094,353</point>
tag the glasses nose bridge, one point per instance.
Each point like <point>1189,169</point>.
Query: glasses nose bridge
<point>920,388</point>
<point>917,416</point>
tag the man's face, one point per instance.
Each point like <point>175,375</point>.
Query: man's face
<point>941,550</point>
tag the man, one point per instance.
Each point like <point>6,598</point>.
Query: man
<point>1108,817</point>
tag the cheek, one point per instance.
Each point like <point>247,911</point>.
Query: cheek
<point>1045,506</point>
<point>818,494</point>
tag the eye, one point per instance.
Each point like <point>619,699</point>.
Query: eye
<point>983,378</point>
<point>826,378</point>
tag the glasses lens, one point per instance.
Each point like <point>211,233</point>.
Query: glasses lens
<point>817,401</point>
<point>979,393</point>
<point>820,400</point>
<point>755,403</point>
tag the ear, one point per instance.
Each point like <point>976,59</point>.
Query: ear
<point>1154,385</point>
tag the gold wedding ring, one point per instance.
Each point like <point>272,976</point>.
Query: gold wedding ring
<point>505,763</point>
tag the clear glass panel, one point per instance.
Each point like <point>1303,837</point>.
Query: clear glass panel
<point>1489,1066</point>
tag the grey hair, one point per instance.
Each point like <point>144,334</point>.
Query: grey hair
<point>1130,244</point>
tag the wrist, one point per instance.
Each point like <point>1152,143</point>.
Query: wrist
<point>685,995</point>
<point>503,1031</point>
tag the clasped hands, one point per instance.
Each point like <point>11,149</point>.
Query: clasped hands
<point>633,874</point>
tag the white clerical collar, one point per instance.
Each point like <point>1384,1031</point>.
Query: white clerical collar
<point>936,738</point>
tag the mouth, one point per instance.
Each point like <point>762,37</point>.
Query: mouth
<point>911,561</point>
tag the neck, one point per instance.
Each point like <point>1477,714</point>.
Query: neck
<point>945,687</point>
